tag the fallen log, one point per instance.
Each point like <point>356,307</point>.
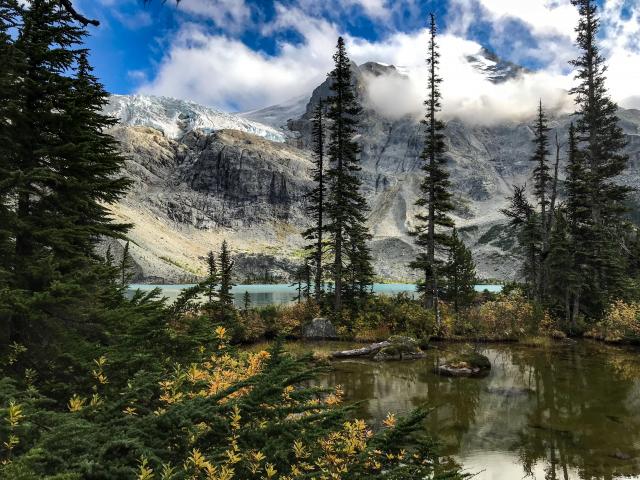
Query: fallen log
<point>360,352</point>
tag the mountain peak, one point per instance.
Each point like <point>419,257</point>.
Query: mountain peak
<point>174,117</point>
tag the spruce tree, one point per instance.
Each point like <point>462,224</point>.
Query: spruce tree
<point>226,282</point>
<point>61,171</point>
<point>460,274</point>
<point>345,205</point>
<point>526,222</point>
<point>211,283</point>
<point>316,199</point>
<point>600,142</point>
<point>435,197</point>
<point>578,210</point>
<point>125,266</point>
<point>542,183</point>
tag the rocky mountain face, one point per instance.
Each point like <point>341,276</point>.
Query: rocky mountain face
<point>198,182</point>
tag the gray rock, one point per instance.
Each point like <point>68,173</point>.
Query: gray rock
<point>319,328</point>
<point>199,185</point>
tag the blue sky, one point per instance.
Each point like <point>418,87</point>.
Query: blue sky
<point>245,54</point>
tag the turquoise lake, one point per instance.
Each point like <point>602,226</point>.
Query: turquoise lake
<point>283,293</point>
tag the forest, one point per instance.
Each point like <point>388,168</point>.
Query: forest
<point>101,383</point>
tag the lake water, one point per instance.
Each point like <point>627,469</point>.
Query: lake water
<point>277,294</point>
<point>564,412</point>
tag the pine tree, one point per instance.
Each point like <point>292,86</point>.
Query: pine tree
<point>125,266</point>
<point>316,198</point>
<point>10,13</point>
<point>526,222</point>
<point>600,143</point>
<point>211,283</point>
<point>542,183</point>
<point>226,282</point>
<point>246,301</point>
<point>460,274</point>
<point>345,205</point>
<point>435,197</point>
<point>60,172</point>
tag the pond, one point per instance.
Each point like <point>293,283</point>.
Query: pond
<point>283,293</point>
<point>567,411</point>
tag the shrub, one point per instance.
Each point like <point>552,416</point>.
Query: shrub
<point>509,317</point>
<point>620,323</point>
<point>228,416</point>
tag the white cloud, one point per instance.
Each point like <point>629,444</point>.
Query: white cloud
<point>217,70</point>
<point>230,15</point>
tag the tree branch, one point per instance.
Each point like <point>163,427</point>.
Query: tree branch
<point>66,4</point>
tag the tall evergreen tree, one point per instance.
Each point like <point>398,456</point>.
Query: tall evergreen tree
<point>211,283</point>
<point>542,183</point>
<point>226,282</point>
<point>526,222</point>
<point>460,274</point>
<point>60,172</point>
<point>345,205</point>
<point>316,198</point>
<point>435,197</point>
<point>600,142</point>
<point>125,266</point>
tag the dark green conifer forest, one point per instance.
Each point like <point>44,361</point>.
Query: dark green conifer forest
<point>101,381</point>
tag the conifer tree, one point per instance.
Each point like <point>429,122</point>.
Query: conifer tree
<point>125,266</point>
<point>226,282</point>
<point>525,221</point>
<point>600,142</point>
<point>542,183</point>
<point>435,197</point>
<point>60,170</point>
<point>246,301</point>
<point>345,205</point>
<point>316,198</point>
<point>460,274</point>
<point>211,283</point>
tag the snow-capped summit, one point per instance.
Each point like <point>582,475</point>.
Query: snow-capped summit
<point>176,117</point>
<point>493,67</point>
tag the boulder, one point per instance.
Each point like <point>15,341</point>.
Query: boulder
<point>399,348</point>
<point>319,329</point>
<point>471,364</point>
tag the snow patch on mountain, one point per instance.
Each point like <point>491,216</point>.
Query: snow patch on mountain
<point>176,117</point>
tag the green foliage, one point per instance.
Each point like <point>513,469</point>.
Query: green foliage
<point>345,206</point>
<point>431,230</point>
<point>460,274</point>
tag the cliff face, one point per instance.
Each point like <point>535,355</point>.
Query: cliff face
<point>197,188</point>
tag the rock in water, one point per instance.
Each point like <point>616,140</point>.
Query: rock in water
<point>469,364</point>
<point>399,348</point>
<point>319,328</point>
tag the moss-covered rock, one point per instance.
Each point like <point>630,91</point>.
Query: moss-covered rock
<point>399,348</point>
<point>467,364</point>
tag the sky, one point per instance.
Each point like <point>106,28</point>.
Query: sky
<point>240,55</point>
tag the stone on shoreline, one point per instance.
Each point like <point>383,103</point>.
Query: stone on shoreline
<point>319,329</point>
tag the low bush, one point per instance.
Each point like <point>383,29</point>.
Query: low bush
<point>621,323</point>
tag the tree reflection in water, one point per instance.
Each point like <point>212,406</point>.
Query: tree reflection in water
<point>560,412</point>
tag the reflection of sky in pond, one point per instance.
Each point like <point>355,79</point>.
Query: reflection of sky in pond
<point>569,411</point>
<point>277,294</point>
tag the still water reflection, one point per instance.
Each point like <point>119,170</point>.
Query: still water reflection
<point>561,412</point>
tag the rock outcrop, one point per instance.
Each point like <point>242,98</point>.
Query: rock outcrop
<point>197,184</point>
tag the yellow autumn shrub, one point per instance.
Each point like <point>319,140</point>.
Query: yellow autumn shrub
<point>621,322</point>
